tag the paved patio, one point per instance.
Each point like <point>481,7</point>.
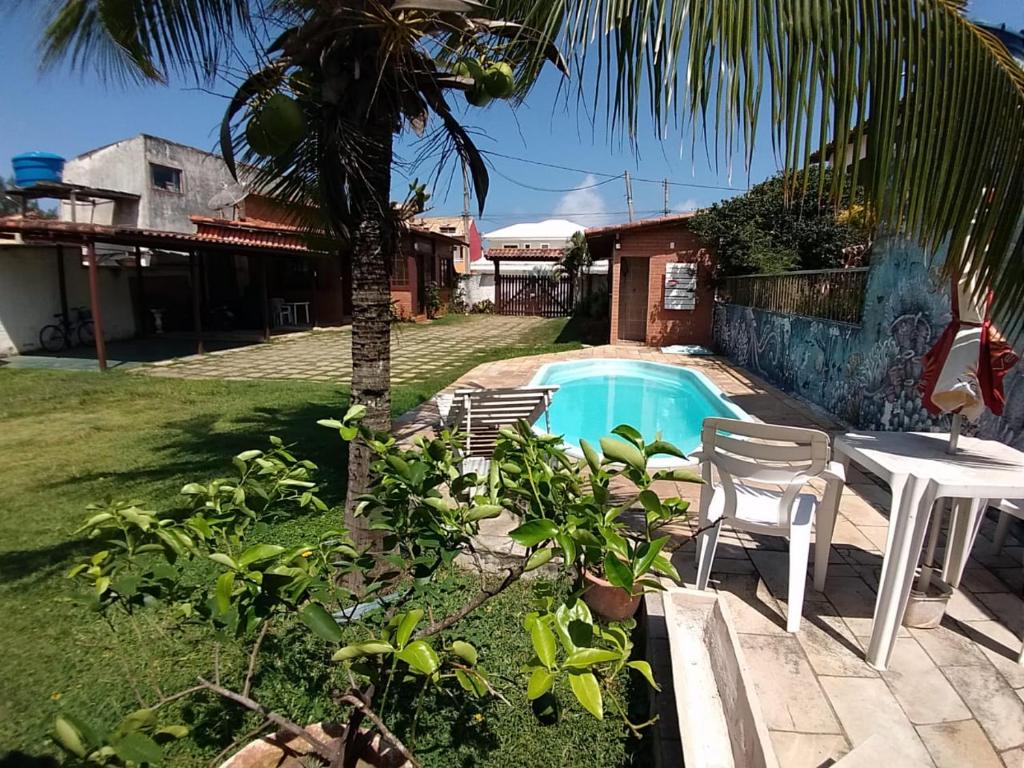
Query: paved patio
<point>954,696</point>
<point>419,351</point>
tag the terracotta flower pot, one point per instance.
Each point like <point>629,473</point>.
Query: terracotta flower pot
<point>282,750</point>
<point>609,602</point>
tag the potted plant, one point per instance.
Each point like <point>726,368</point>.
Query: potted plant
<point>570,512</point>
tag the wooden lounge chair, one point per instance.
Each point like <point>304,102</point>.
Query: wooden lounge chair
<point>478,414</point>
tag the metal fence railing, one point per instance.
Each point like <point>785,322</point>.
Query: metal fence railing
<point>830,294</point>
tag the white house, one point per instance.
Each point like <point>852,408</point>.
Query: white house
<point>527,248</point>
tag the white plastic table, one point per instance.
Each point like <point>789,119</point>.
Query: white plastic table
<point>295,306</point>
<point>919,472</point>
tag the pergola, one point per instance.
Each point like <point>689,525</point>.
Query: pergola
<point>213,236</point>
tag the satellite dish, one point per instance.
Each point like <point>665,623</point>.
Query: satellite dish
<point>230,196</point>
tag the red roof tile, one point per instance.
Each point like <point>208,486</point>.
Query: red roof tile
<point>525,254</point>
<point>676,218</point>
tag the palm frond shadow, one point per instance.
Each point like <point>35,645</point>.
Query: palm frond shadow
<point>193,451</point>
<point>198,449</point>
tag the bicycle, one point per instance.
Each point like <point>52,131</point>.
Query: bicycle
<point>63,334</point>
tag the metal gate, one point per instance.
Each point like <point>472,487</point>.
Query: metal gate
<point>543,295</point>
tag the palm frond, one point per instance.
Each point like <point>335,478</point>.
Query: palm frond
<point>140,40</point>
<point>936,103</point>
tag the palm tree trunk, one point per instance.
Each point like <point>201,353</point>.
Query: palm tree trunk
<point>373,246</point>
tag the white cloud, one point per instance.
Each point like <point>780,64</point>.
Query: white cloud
<point>584,204</point>
<point>689,204</point>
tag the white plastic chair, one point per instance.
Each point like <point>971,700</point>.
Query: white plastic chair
<point>1008,509</point>
<point>777,462</point>
<point>281,312</point>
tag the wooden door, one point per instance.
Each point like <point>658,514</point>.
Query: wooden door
<point>633,275</point>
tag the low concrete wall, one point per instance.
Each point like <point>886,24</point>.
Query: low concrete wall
<point>478,287</point>
<point>868,374</point>
<point>30,295</point>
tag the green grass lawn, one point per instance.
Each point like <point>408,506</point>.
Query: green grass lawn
<point>72,438</point>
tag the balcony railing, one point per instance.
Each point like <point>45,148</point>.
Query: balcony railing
<point>829,294</point>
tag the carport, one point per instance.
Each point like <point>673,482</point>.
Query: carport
<point>215,237</point>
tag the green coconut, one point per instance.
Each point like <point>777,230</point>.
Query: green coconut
<point>470,68</point>
<point>258,140</point>
<point>277,126</point>
<point>499,81</point>
<point>478,96</point>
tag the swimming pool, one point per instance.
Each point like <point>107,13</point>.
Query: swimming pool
<point>596,395</point>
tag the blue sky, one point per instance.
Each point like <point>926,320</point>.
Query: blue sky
<point>71,113</point>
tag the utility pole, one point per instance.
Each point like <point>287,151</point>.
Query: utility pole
<point>629,194</point>
<point>664,186</point>
<point>464,249</point>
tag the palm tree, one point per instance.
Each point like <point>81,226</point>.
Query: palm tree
<point>937,103</point>
<point>576,255</point>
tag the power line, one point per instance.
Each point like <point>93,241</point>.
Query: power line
<point>609,176</point>
<point>519,215</point>
<point>554,165</point>
<point>550,189</point>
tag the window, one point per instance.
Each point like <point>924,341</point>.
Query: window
<point>400,270</point>
<point>545,246</point>
<point>167,179</point>
<point>447,276</point>
<point>447,230</point>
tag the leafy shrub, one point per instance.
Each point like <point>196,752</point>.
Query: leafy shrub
<point>366,602</point>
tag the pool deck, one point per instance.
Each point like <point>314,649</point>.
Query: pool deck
<point>954,696</point>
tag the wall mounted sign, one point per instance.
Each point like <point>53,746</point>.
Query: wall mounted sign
<point>680,286</point>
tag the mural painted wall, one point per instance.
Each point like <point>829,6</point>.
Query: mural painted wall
<point>866,375</point>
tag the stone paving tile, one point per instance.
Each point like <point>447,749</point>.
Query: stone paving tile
<point>994,704</point>
<point>963,606</point>
<point>1008,610</point>
<point>876,534</point>
<point>874,494</point>
<point>418,352</point>
<point>1013,758</point>
<point>948,743</point>
<point>849,535</point>
<point>859,511</point>
<point>920,688</point>
<point>786,686</point>
<point>807,750</point>
<point>947,646</point>
<point>752,606</point>
<point>831,647</point>
<point>982,580</point>
<point>866,707</point>
<point>1001,647</point>
<point>855,601</point>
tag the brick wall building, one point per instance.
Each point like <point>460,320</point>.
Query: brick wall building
<point>642,301</point>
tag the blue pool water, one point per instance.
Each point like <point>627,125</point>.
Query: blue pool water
<point>596,395</point>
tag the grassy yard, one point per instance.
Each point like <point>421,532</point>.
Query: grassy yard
<point>73,438</point>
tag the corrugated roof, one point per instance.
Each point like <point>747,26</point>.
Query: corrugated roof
<point>252,235</point>
<point>218,235</point>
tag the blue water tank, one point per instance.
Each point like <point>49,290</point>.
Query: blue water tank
<point>32,167</point>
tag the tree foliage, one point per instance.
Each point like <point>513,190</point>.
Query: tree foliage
<point>576,257</point>
<point>763,231</point>
<point>11,206</point>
